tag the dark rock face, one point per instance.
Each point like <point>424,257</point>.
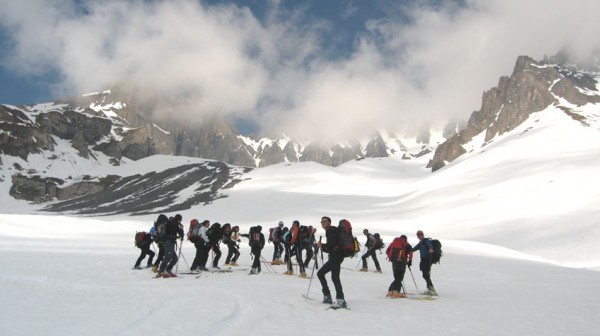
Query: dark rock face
<point>150,193</point>
<point>531,88</point>
<point>19,136</point>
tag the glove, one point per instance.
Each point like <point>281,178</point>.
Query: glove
<point>409,263</point>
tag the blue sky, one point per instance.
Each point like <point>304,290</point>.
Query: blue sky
<point>302,67</point>
<point>347,17</point>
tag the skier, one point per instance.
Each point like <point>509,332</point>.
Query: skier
<point>215,235</point>
<point>174,231</point>
<point>144,246</point>
<point>230,238</point>
<point>159,242</point>
<point>425,250</point>
<point>201,245</point>
<point>256,240</point>
<point>371,246</point>
<point>400,254</point>
<point>204,247</point>
<point>275,237</point>
<point>333,265</point>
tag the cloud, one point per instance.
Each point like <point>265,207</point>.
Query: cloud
<point>426,66</point>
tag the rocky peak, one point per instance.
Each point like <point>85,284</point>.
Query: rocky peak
<point>532,87</point>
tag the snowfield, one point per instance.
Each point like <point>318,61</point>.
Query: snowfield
<point>518,219</point>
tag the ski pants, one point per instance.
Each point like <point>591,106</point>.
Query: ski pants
<point>298,249</point>
<point>170,259</point>
<point>256,254</point>
<point>145,251</point>
<point>332,265</point>
<point>232,251</point>
<point>372,254</point>
<point>199,245</point>
<point>399,269</point>
<point>425,266</point>
<point>309,255</point>
<point>277,250</point>
<point>217,253</point>
<point>204,251</point>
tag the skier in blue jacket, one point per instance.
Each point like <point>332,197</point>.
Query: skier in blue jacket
<point>425,248</point>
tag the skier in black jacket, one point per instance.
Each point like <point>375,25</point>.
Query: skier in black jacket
<point>174,231</point>
<point>256,240</point>
<point>144,246</point>
<point>336,257</point>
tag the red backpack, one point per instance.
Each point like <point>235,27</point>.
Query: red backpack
<point>398,251</point>
<point>192,233</point>
<point>140,239</point>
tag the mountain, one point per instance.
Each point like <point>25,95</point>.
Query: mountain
<point>77,155</point>
<point>531,88</point>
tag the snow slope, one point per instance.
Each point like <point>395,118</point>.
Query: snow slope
<point>518,220</point>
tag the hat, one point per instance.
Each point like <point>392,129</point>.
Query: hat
<point>280,222</point>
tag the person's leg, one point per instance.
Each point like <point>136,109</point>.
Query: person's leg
<point>169,247</point>
<point>364,260</point>
<point>299,259</point>
<point>140,258</point>
<point>217,251</point>
<point>309,256</point>
<point>326,268</point>
<point>375,261</point>
<point>335,278</point>
<point>151,254</point>
<point>426,270</point>
<point>400,278</point>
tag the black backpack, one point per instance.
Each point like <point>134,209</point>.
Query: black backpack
<point>437,251</point>
<point>254,237</point>
<point>161,228</point>
<point>303,236</point>
<point>378,242</point>
<point>214,233</point>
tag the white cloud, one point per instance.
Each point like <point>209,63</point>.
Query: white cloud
<point>221,59</point>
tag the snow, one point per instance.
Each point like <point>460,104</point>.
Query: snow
<point>518,220</point>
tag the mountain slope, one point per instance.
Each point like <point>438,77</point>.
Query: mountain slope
<point>532,87</point>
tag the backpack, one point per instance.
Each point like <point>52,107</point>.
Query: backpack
<point>271,234</point>
<point>140,239</point>
<point>394,251</point>
<point>161,228</point>
<point>254,237</point>
<point>214,233</point>
<point>193,230</point>
<point>437,251</point>
<point>348,243</point>
<point>378,242</point>
<point>303,235</point>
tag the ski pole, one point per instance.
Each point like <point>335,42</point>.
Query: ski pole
<point>183,256</point>
<point>177,266</point>
<point>267,264</point>
<point>313,270</point>
<point>411,275</point>
<point>360,259</point>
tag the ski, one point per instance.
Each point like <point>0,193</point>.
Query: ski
<point>336,307</point>
<point>410,296</point>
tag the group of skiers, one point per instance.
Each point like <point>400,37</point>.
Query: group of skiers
<point>295,241</point>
